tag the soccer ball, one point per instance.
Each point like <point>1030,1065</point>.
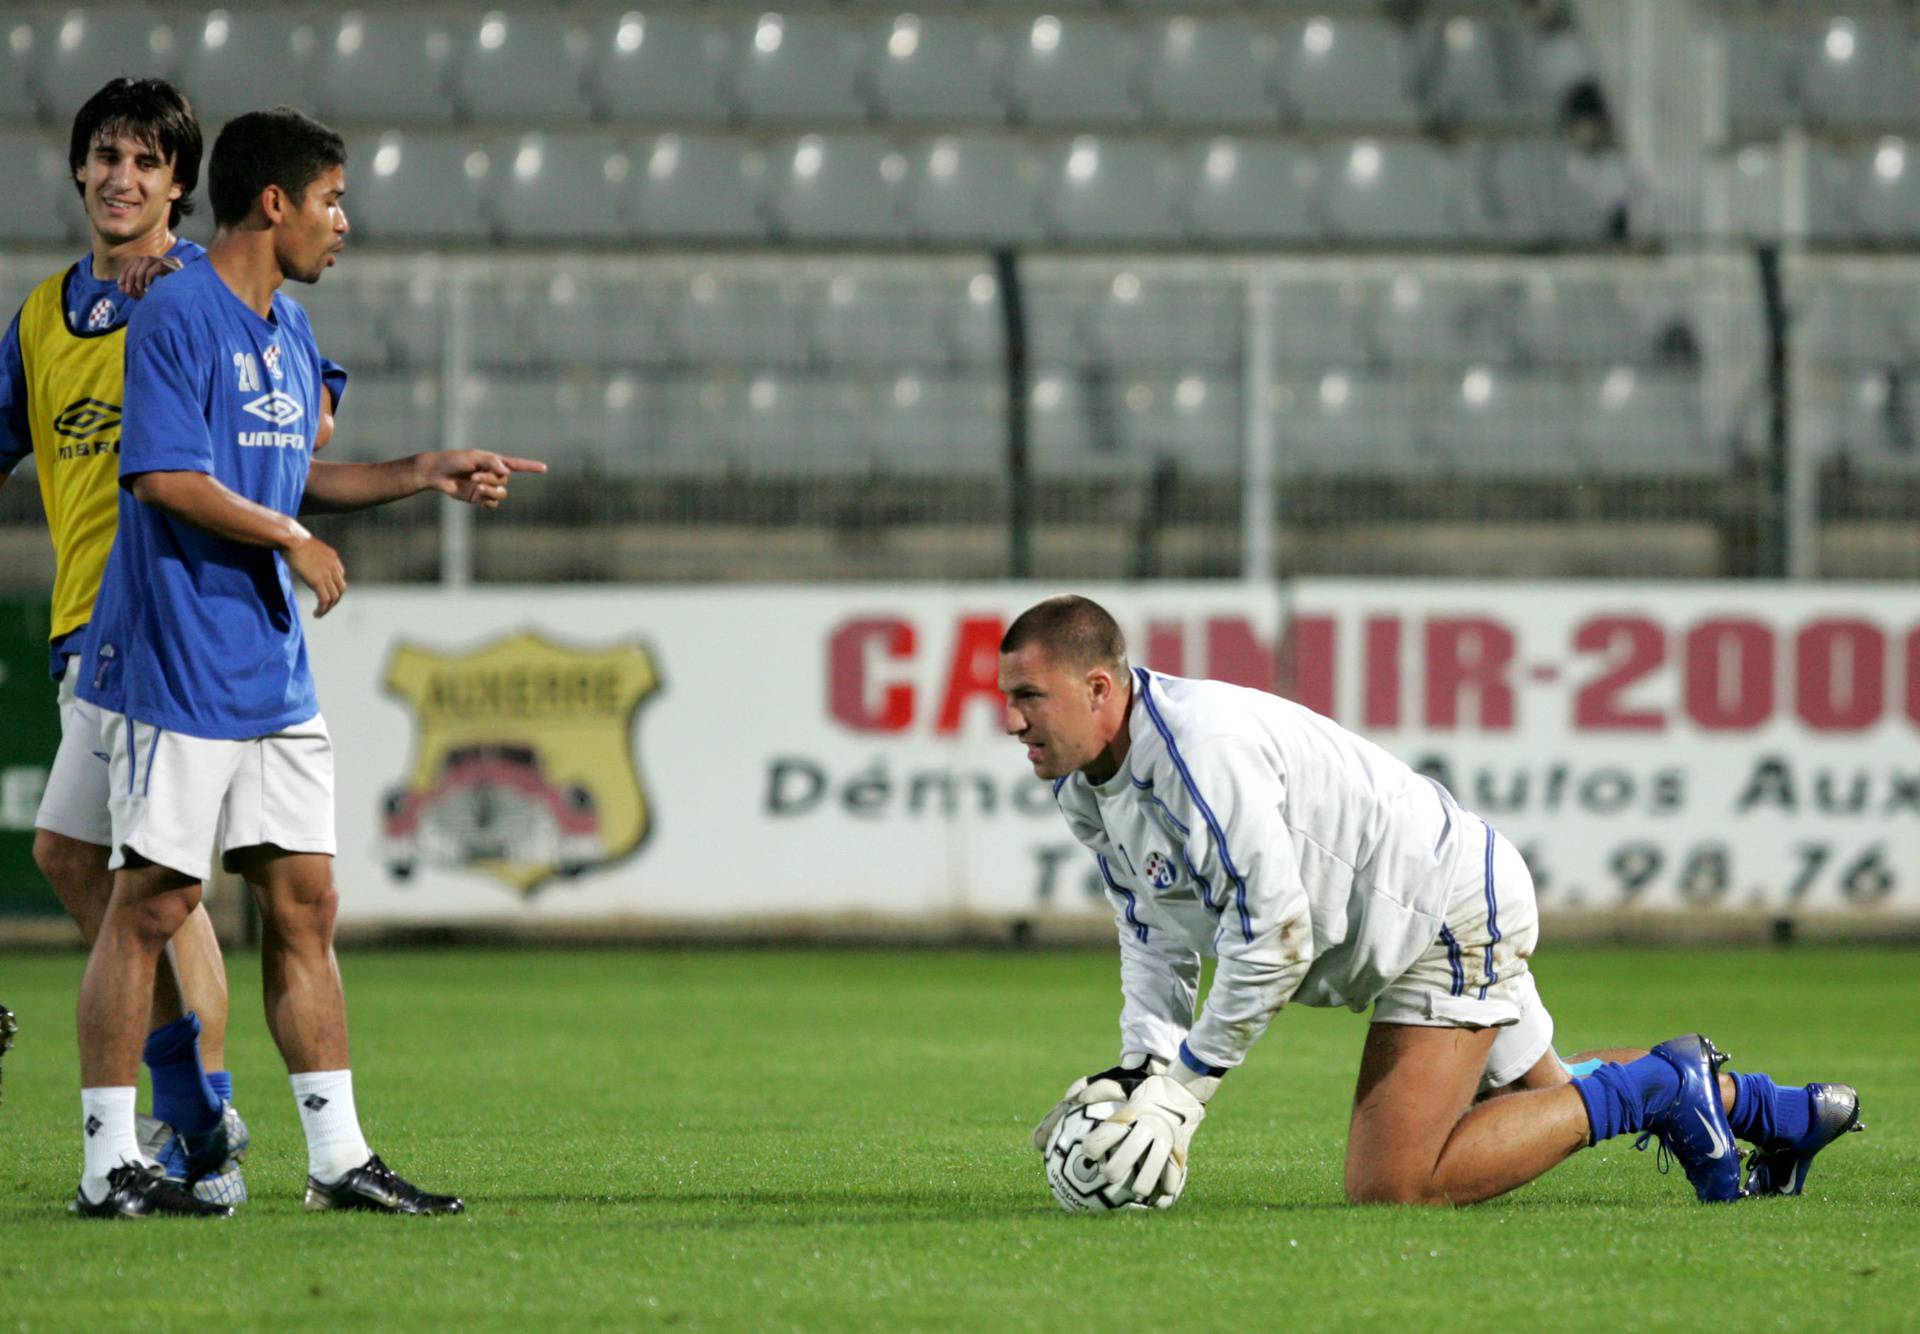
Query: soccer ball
<point>1075,1175</point>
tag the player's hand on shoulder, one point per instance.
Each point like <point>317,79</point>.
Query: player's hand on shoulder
<point>1144,1144</point>
<point>476,476</point>
<point>319,568</point>
<point>143,271</point>
<point>1114,1084</point>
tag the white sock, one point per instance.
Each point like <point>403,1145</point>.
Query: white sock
<point>335,1145</point>
<point>106,1136</point>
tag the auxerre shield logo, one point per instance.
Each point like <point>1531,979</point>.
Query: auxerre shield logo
<point>524,766</point>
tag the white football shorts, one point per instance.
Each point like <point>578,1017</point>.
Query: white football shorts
<point>1476,974</point>
<point>172,796</point>
<point>75,800</point>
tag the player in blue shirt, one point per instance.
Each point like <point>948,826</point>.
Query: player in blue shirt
<point>197,658</point>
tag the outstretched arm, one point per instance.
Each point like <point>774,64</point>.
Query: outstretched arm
<point>476,476</point>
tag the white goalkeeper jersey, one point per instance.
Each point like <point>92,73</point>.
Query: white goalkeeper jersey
<point>1311,863</point>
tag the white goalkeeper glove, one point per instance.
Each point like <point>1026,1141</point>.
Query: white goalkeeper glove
<point>1144,1144</point>
<point>1115,1084</point>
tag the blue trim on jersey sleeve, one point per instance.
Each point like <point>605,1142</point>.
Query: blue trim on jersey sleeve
<point>1206,811</point>
<point>334,376</point>
<point>16,431</point>
<point>1195,1064</point>
<point>1139,927</point>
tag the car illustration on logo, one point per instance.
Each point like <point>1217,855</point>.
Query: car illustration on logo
<point>492,803</point>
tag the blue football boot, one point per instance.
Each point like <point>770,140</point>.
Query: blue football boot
<point>1693,1128</point>
<point>1836,1112</point>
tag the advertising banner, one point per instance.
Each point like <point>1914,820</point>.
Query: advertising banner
<point>739,755</point>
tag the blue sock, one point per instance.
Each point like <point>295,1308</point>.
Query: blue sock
<point>181,1095</point>
<point>221,1083</point>
<point>1768,1116</point>
<point>1620,1098</point>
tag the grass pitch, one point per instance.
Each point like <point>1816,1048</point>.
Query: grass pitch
<point>838,1140</point>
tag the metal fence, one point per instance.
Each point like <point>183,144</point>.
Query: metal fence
<point>794,416</point>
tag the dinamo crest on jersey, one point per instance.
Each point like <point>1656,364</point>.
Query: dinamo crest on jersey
<point>1161,872</point>
<point>523,767</point>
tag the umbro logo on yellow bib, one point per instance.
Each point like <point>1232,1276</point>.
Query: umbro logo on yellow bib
<point>85,418</point>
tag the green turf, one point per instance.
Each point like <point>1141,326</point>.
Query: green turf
<point>761,1140</point>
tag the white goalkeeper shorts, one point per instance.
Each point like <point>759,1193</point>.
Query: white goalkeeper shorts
<point>75,800</point>
<point>1476,975</point>
<point>173,796</point>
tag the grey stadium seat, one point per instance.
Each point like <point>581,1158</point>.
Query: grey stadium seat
<point>728,318</point>
<point>22,42</point>
<point>864,320</point>
<point>1410,195</point>
<point>1172,323</point>
<point>1872,88</point>
<point>659,66</point>
<point>950,71</point>
<point>838,187</point>
<point>1523,429</point>
<point>1361,78</point>
<point>1758,87</point>
<point>564,186</point>
<point>349,326</point>
<point>228,58</point>
<point>1474,70</point>
<point>1091,76</point>
<point>1373,431</point>
<point>521,65</point>
<point>385,66</point>
<point>1217,72</point>
<point>1656,430</point>
<point>1073,424</point>
<point>1253,190</point>
<point>387,416</point>
<point>974,188</point>
<point>1427,322</point>
<point>1541,190</point>
<point>1855,324</point>
<point>944,427</point>
<point>81,48</point>
<point>574,321</point>
<point>1132,195</point>
<point>1200,439</point>
<point>699,187</point>
<point>1323,324</point>
<point>1888,206</point>
<point>814,76</point>
<point>425,186</point>
<point>39,203</point>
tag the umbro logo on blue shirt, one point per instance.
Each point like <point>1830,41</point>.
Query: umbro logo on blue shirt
<point>280,408</point>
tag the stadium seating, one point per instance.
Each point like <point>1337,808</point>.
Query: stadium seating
<point>699,186</point>
<point>1075,71</point>
<point>973,187</point>
<point>1220,72</point>
<point>659,66</point>
<point>1253,190</point>
<point>40,202</point>
<point>938,69</point>
<point>78,49</point>
<point>434,185</point>
<point>555,187</point>
<point>799,68</point>
<point>1347,71</point>
<point>1113,192</point>
<point>846,188</point>
<point>230,56</point>
<point>1644,425</point>
<point>1388,190</point>
<point>521,65</point>
<point>396,61</point>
